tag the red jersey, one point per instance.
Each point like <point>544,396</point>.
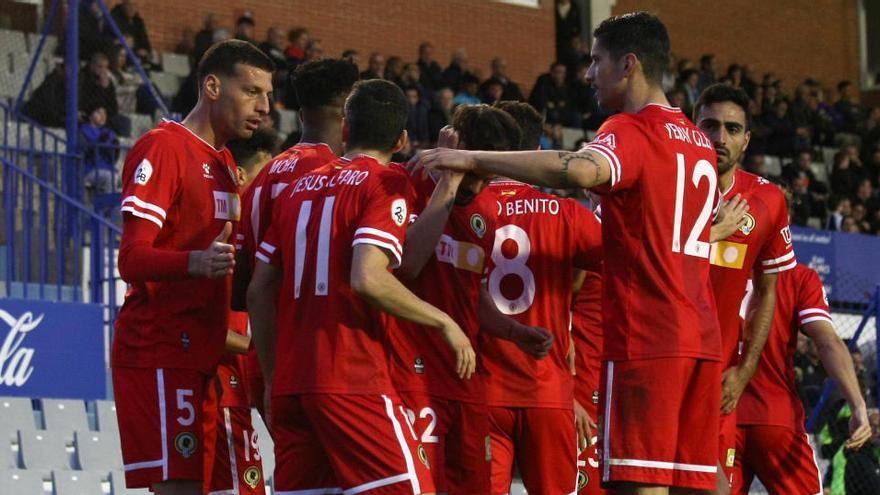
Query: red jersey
<point>189,189</point>
<point>539,240</point>
<point>232,371</point>
<point>656,216</point>
<point>421,361</point>
<point>586,330</point>
<point>765,238</point>
<point>269,183</point>
<point>771,396</point>
<point>329,340</point>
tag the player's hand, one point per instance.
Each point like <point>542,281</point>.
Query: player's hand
<point>465,357</point>
<point>534,341</point>
<point>216,261</point>
<point>733,382</point>
<point>731,216</point>
<point>859,428</point>
<point>585,425</point>
<point>443,159</point>
<point>570,357</point>
<point>448,138</point>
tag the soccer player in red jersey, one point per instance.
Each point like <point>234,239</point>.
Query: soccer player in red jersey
<point>321,88</point>
<point>758,251</point>
<point>771,441</point>
<point>444,261</point>
<point>662,345</point>
<point>180,191</point>
<point>335,418</point>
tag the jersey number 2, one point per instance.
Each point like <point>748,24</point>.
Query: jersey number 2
<point>693,246</point>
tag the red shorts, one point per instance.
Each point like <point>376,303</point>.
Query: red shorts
<point>456,438</point>
<point>659,422</point>
<point>356,443</point>
<point>542,441</point>
<point>160,423</point>
<point>232,455</point>
<point>727,445</point>
<point>780,457</point>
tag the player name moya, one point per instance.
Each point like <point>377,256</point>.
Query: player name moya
<point>15,360</point>
<point>314,182</point>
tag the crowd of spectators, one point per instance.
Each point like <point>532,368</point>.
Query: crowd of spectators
<point>827,144</point>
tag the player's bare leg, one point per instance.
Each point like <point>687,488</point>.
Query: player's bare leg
<point>722,486</point>
<point>178,487</point>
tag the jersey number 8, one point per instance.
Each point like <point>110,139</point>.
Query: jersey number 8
<point>513,267</point>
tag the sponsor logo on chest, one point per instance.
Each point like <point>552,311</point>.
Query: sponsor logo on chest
<point>227,206</point>
<point>461,255</point>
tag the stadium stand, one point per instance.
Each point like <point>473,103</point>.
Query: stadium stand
<point>21,481</point>
<point>98,451</point>
<point>77,482</point>
<point>43,450</point>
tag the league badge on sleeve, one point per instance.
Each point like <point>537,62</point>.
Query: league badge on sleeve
<point>398,212</point>
<point>143,173</point>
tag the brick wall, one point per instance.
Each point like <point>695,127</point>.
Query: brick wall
<point>791,38</point>
<point>525,36</point>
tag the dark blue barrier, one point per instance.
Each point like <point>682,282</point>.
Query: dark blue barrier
<point>849,264</point>
<point>52,349</point>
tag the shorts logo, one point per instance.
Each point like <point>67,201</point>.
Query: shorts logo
<point>747,227</point>
<point>398,212</point>
<point>184,340</point>
<point>583,479</point>
<point>731,457</point>
<point>186,443</point>
<point>419,366</point>
<point>143,173</point>
<point>478,224</point>
<point>252,476</point>
<point>233,381</point>
<point>488,448</point>
<point>423,456</point>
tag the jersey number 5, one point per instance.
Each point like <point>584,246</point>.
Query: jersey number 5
<point>693,246</point>
<point>515,267</point>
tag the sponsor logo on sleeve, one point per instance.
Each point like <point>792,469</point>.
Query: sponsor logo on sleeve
<point>398,212</point>
<point>606,139</point>
<point>143,173</point>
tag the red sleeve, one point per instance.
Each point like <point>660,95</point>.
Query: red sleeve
<point>139,261</point>
<point>386,215</point>
<point>812,302</point>
<point>268,251</point>
<point>150,178</point>
<point>778,253</point>
<point>622,143</point>
<point>587,237</point>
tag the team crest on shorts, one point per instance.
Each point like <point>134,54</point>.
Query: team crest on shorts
<point>731,457</point>
<point>749,226</point>
<point>186,443</point>
<point>423,456</point>
<point>233,381</point>
<point>583,479</point>
<point>419,366</point>
<point>252,476</point>
<point>478,224</point>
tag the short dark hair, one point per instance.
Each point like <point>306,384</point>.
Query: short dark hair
<point>263,139</point>
<point>376,112</point>
<point>530,122</point>
<point>318,83</point>
<point>245,19</point>
<point>843,84</point>
<point>222,57</point>
<point>640,33</point>
<point>481,127</point>
<point>719,93</point>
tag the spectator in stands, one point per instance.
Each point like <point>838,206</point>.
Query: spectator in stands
<point>441,111</point>
<point>351,55</point>
<point>298,39</point>
<point>468,93</point>
<point>801,206</point>
<point>46,105</point>
<point>867,197</point>
<point>583,99</point>
<point>755,164</point>
<point>244,28</point>
<point>394,70</point>
<point>735,75</point>
<point>98,144</point>
<point>375,67</point>
<point>841,209</point>
<point>860,218</point>
<point>124,79</point>
<point>130,22</point>
<point>551,97</point>
<point>810,375</point>
<point>509,89</point>
<point>251,154</point>
<point>690,83</point>
<point>568,26</point>
<point>94,33</point>
<point>855,163</point>
<point>574,53</point>
<point>204,39</point>
<point>412,78</point>
<point>273,47</point>
<point>848,108</point>
<point>843,179</point>
<point>870,131</point>
<point>417,119</point>
<point>314,50</point>
<point>782,132</point>
<point>454,74</point>
<point>430,71</point>
<point>873,166</point>
<point>707,75</point>
<point>186,45</point>
<point>97,89</point>
<point>493,92</point>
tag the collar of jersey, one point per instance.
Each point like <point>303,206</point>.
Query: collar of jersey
<point>187,129</point>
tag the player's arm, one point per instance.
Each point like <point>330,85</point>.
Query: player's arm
<point>241,277</point>
<point>534,341</point>
<point>422,236</point>
<point>759,319</point>
<point>557,169</point>
<point>838,363</point>
<point>371,280</point>
<point>262,294</point>
<point>237,343</point>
